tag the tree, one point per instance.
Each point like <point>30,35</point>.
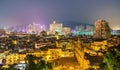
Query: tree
<point>111,60</point>
<point>31,63</point>
<point>49,65</point>
<point>39,64</point>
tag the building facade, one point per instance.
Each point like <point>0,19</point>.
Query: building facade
<point>115,32</point>
<point>66,31</point>
<point>56,27</point>
<point>89,30</point>
<point>79,29</point>
<point>35,28</point>
<point>83,30</point>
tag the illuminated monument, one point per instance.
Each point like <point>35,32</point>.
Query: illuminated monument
<point>101,30</point>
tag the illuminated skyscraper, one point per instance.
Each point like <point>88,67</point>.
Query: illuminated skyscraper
<point>56,27</point>
<point>79,30</point>
<point>101,30</point>
<point>35,28</point>
<point>89,30</point>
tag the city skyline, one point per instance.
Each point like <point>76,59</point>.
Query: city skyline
<point>59,35</point>
<point>45,12</point>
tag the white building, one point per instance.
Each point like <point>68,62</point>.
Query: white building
<point>56,27</point>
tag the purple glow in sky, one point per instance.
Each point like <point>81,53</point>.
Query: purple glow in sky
<point>17,12</point>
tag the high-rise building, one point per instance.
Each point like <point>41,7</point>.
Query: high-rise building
<point>35,28</point>
<point>56,27</point>
<point>30,30</point>
<point>2,31</point>
<point>83,30</point>
<point>101,29</point>
<point>66,31</point>
<point>79,28</point>
<point>115,32</point>
<point>88,30</point>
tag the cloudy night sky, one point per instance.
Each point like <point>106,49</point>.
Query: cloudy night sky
<point>20,12</point>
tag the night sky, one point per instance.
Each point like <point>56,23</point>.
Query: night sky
<point>20,12</point>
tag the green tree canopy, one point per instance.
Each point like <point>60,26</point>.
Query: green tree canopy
<point>111,59</point>
<point>40,65</point>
